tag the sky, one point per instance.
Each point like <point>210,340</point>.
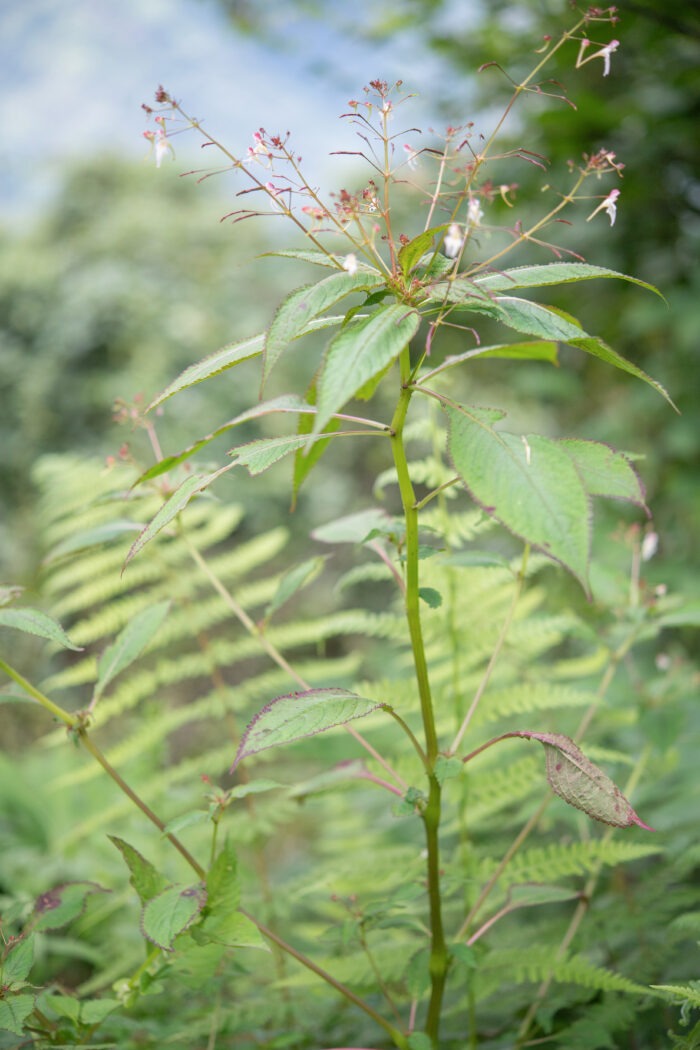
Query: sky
<point>73,75</point>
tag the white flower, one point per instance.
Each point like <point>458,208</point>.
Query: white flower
<point>650,545</point>
<point>453,241</point>
<point>474,212</point>
<point>603,52</point>
<point>350,264</point>
<point>275,192</point>
<point>412,158</point>
<point>159,143</point>
<point>609,205</point>
<point>259,153</point>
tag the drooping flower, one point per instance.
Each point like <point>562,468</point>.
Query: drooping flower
<point>159,143</point>
<point>275,192</point>
<point>412,157</point>
<point>453,240</point>
<point>603,52</point>
<point>259,153</point>
<point>608,205</point>
<point>650,545</point>
<point>350,264</point>
<point>474,212</point>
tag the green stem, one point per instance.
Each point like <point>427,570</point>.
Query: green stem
<point>58,712</point>
<point>431,814</point>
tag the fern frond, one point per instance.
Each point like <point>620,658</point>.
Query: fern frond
<point>548,863</point>
<point>537,964</point>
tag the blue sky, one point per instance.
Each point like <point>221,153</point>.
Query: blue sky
<point>73,74</point>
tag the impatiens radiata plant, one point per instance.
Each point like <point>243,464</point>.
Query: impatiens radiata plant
<point>390,288</point>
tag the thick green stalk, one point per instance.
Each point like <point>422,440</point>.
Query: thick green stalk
<point>431,814</point>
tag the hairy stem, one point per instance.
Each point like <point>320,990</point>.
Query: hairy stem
<point>431,814</point>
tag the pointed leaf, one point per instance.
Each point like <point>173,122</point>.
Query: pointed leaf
<point>581,783</point>
<point>306,459</point>
<point>257,456</point>
<point>333,262</point>
<point>223,885</point>
<point>605,472</point>
<point>145,878</point>
<point>94,1011</point>
<point>185,820</point>
<point>359,352</point>
<point>235,930</point>
<point>254,787</point>
<point>283,403</point>
<point>306,303</point>
<point>79,541</point>
<point>551,273</point>
<point>532,488</point>
<point>129,644</point>
<point>14,1011</point>
<point>228,356</point>
<point>62,905</point>
<point>300,576</point>
<point>297,715</point>
<point>172,911</point>
<point>64,1006</point>
<point>413,252</point>
<point>18,961</point>
<point>171,508</point>
<point>33,622</point>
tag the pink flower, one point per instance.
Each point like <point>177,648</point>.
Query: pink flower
<point>603,52</point>
<point>159,142</point>
<point>259,153</point>
<point>608,205</point>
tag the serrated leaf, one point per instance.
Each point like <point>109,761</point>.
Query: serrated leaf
<point>14,1011</point>
<point>129,644</point>
<point>64,1006</point>
<point>169,913</point>
<point>306,303</point>
<point>552,273</point>
<point>18,961</point>
<point>464,954</point>
<point>581,783</point>
<point>532,488</point>
<point>223,886</point>
<point>235,930</point>
<point>297,715</point>
<point>94,1011</point>
<point>318,258</point>
<point>446,768</point>
<point>145,878</point>
<point>413,252</point>
<point>62,905</point>
<point>284,403</point>
<point>352,528</point>
<point>605,472</point>
<point>259,455</point>
<point>185,820</point>
<point>171,508</point>
<point>30,621</point>
<point>300,576</point>
<point>430,596</point>
<point>358,353</point>
<point>228,356</point>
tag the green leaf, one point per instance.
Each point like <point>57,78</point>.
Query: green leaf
<point>359,352</point>
<point>298,715</point>
<point>94,1011</point>
<point>552,273</point>
<point>64,1006</point>
<point>446,768</point>
<point>352,769</point>
<point>528,894</point>
<point>581,783</point>
<point>18,961</point>
<point>417,975</point>
<point>234,930</point>
<point>79,541</point>
<point>464,954</point>
<point>413,252</point>
<point>480,559</point>
<point>171,508</point>
<point>129,644</point>
<point>14,1011</point>
<point>430,596</point>
<point>605,472</point>
<point>306,303</point>
<point>62,905</point>
<point>186,820</point>
<point>533,489</point>
<point>352,528</point>
<point>283,403</point>
<point>228,356</point>
<point>223,886</point>
<point>172,911</point>
<point>254,787</point>
<point>300,576</point>
<point>333,262</point>
<point>420,1041</point>
<point>259,455</point>
<point>32,622</point>
<point>145,878</point>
